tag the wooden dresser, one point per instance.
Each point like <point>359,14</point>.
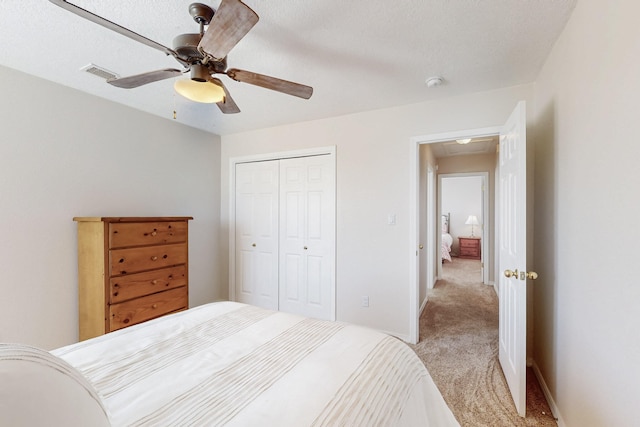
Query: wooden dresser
<point>469,247</point>
<point>130,269</point>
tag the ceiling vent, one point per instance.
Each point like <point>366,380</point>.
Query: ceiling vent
<point>99,71</point>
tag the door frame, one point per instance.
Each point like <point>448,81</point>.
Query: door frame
<point>485,229</point>
<point>317,151</point>
<point>414,229</point>
<point>432,214</point>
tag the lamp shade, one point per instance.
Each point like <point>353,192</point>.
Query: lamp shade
<point>472,220</point>
<point>206,92</point>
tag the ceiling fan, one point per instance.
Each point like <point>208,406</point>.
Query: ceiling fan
<point>203,54</point>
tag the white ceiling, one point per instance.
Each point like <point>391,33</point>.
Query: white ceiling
<point>358,55</point>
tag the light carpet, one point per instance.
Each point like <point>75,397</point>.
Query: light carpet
<point>459,346</point>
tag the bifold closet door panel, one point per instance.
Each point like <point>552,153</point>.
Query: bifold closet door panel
<point>307,236</point>
<point>256,217</point>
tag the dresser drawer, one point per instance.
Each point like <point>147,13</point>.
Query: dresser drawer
<point>131,286</point>
<point>472,252</point>
<point>146,233</point>
<point>126,261</point>
<point>146,308</point>
<point>468,243</point>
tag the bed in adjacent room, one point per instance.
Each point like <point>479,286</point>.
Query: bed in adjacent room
<point>232,364</point>
<point>447,239</point>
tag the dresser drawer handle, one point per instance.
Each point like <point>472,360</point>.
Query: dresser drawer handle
<point>154,258</point>
<point>153,233</point>
<point>154,282</point>
<point>154,306</point>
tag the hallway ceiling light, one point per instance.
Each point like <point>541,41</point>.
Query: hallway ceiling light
<point>463,141</point>
<point>434,81</point>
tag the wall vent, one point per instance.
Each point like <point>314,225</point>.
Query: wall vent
<point>96,70</point>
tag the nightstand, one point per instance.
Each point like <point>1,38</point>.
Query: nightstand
<point>469,247</point>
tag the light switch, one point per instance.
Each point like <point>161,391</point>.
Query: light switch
<point>391,219</point>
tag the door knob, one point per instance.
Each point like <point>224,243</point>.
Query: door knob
<point>421,246</point>
<point>532,275</point>
<point>254,245</point>
<point>509,273</point>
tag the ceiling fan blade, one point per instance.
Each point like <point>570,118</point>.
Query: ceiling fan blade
<point>112,26</point>
<point>228,105</point>
<point>230,23</point>
<point>279,85</point>
<point>144,78</point>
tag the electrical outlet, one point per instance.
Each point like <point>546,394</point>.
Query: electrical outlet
<point>365,301</point>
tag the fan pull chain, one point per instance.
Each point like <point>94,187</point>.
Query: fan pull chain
<point>174,106</point>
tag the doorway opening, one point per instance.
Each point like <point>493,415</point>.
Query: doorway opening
<point>510,242</point>
<point>426,165</point>
<point>466,215</point>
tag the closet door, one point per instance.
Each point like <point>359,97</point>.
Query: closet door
<point>307,236</point>
<point>256,263</point>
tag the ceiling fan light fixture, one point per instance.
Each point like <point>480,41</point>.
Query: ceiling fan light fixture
<point>463,141</point>
<point>206,92</point>
<point>204,54</point>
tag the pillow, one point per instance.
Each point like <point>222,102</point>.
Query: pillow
<point>38,389</point>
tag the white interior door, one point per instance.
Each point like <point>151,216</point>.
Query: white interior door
<point>512,255</point>
<point>307,236</point>
<point>256,217</point>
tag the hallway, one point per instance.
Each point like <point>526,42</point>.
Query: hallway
<point>459,346</point>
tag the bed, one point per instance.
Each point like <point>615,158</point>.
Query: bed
<point>447,239</point>
<point>233,364</point>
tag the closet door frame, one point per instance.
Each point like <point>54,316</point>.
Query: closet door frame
<point>328,150</point>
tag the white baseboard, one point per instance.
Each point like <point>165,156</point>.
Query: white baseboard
<point>422,306</point>
<point>547,394</point>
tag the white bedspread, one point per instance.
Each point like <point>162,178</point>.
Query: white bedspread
<point>447,241</point>
<point>232,364</point>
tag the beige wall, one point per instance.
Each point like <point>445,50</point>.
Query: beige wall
<point>64,154</point>
<point>373,179</point>
<point>587,196</point>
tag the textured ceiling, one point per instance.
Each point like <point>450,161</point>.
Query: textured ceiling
<point>358,55</point>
